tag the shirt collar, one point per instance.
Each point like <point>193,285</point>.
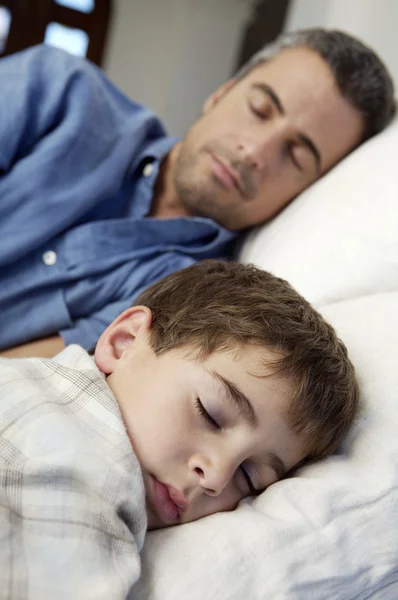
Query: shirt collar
<point>154,152</point>
<point>157,149</point>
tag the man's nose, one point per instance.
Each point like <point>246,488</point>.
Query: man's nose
<point>263,148</point>
<point>214,473</point>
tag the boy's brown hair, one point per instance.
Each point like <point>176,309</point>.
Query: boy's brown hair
<point>215,305</point>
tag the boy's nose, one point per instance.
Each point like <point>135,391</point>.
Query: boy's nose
<point>214,475</point>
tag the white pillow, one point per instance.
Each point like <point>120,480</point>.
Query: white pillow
<point>339,239</point>
<point>329,533</point>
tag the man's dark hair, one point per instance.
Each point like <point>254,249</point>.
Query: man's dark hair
<point>361,76</point>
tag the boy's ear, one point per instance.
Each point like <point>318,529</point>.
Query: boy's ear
<point>217,95</point>
<point>120,335</point>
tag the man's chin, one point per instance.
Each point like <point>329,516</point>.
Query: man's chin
<point>211,204</point>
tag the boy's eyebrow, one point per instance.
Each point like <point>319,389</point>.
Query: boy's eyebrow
<point>238,398</point>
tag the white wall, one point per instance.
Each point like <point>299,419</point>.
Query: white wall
<point>171,54</point>
<point>373,21</point>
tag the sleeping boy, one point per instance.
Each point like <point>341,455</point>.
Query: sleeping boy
<point>217,383</point>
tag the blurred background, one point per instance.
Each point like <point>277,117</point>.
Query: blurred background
<point>171,54</point>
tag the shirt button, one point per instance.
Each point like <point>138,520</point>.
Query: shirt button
<point>148,170</point>
<point>49,258</point>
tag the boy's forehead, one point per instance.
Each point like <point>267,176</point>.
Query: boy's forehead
<point>250,370</point>
<point>253,370</point>
<point>258,361</point>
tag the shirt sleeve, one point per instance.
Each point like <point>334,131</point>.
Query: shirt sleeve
<point>54,108</point>
<point>35,87</point>
<point>87,330</point>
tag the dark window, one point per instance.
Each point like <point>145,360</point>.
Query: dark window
<point>86,6</point>
<point>5,22</point>
<point>78,26</point>
<point>70,39</point>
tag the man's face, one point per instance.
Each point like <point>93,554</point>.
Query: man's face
<point>264,139</point>
<point>192,440</point>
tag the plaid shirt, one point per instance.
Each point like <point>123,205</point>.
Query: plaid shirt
<point>72,500</point>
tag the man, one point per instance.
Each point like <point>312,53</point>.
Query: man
<point>97,202</point>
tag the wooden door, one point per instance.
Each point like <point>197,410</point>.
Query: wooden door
<point>266,24</point>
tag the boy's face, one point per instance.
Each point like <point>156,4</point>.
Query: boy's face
<point>197,427</point>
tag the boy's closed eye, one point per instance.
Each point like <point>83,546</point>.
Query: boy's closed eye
<point>213,423</point>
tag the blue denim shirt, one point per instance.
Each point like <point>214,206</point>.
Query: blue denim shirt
<point>76,244</point>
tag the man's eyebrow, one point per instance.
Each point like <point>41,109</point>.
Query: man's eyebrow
<point>268,91</point>
<point>238,398</point>
<point>311,146</point>
<point>304,139</point>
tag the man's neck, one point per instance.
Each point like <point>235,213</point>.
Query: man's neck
<point>166,204</point>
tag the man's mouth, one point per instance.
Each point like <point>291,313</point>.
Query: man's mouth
<point>169,503</point>
<point>226,175</point>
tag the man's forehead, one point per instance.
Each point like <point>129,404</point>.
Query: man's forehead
<point>299,77</point>
<point>301,63</point>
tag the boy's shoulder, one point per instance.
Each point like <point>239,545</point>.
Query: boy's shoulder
<point>67,472</point>
<point>45,386</point>
<point>62,407</point>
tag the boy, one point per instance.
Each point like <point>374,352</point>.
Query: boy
<point>217,383</point>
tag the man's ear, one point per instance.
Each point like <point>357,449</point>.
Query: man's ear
<point>217,95</point>
<point>120,336</point>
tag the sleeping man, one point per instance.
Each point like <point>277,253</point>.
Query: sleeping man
<point>214,385</point>
<point>97,202</point>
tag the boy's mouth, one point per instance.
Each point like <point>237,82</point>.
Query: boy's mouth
<point>168,502</point>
